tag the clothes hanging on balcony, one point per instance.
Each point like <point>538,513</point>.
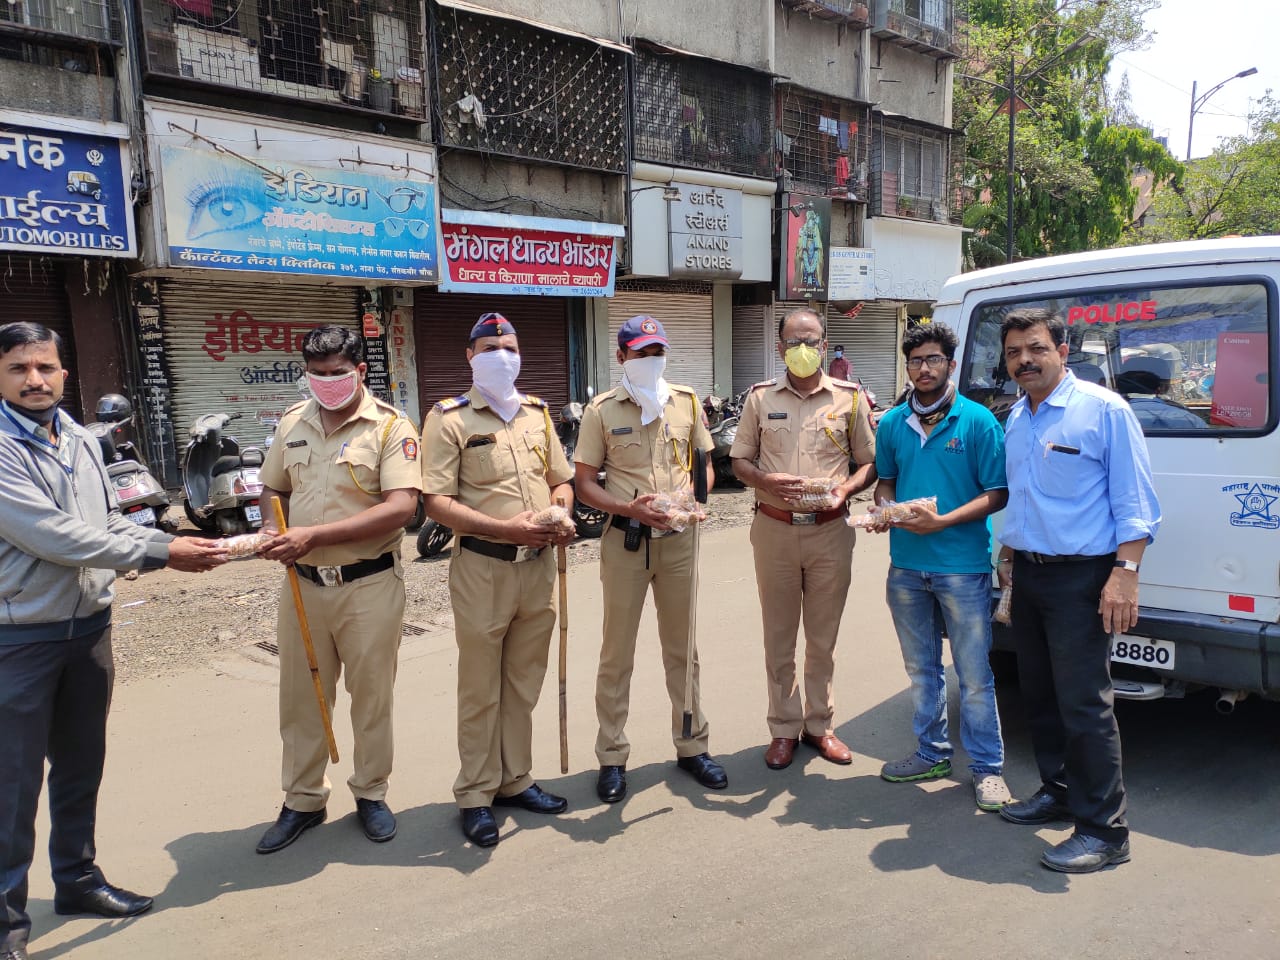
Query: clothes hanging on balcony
<point>842,171</point>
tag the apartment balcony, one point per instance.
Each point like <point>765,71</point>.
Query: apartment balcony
<point>62,23</point>
<point>853,13</point>
<point>926,26</point>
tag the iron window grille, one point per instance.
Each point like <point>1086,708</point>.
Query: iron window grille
<point>509,88</point>
<point>913,174</point>
<point>925,25</point>
<point>853,12</point>
<point>91,21</point>
<point>821,144</point>
<point>340,52</point>
<point>699,113</point>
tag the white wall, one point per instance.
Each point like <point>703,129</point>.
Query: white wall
<point>913,258</point>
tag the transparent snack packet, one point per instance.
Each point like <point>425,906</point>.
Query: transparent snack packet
<point>818,495</point>
<point>555,516</point>
<point>892,510</point>
<point>681,509</point>
<point>1004,609</point>
<point>245,546</point>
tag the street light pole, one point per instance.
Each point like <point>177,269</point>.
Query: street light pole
<point>1009,172</point>
<point>1198,102</point>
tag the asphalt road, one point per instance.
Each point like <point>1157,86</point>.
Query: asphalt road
<point>814,861</point>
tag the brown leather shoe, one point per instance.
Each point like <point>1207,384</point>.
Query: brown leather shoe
<point>829,746</point>
<point>780,752</point>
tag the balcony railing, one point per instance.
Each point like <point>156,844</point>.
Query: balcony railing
<point>337,52</point>
<point>822,144</point>
<point>852,12</point>
<point>928,26</point>
<point>91,21</point>
<point>914,174</point>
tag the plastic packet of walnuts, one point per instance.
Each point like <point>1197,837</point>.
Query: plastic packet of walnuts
<point>893,511</point>
<point>819,494</point>
<point>681,509</point>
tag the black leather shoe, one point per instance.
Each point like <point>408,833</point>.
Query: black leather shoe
<point>534,798</point>
<point>288,828</point>
<point>705,770</point>
<point>105,901</point>
<point>479,827</point>
<point>612,784</point>
<point>14,953</point>
<point>1080,853</point>
<point>1041,807</point>
<point>377,819</point>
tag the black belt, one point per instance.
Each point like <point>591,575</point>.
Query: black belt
<point>509,552</point>
<point>1059,557</point>
<point>337,576</point>
<point>619,522</point>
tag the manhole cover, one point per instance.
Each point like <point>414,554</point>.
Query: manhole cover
<point>268,646</point>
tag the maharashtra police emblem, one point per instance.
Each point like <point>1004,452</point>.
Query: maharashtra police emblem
<point>410,448</point>
<point>1256,501</point>
<point>648,326</point>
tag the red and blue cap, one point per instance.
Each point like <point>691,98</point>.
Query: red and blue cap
<point>640,332</point>
<point>491,325</point>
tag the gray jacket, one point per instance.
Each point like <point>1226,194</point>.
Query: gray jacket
<point>62,536</point>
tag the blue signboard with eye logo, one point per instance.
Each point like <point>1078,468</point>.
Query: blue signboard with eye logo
<point>224,212</point>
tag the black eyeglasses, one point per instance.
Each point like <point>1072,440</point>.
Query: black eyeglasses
<point>815,343</point>
<point>933,360</point>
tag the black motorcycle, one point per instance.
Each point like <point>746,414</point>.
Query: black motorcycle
<point>722,423</point>
<point>590,523</point>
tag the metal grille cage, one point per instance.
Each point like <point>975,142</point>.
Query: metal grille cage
<point>913,173</point>
<point>700,113</point>
<point>511,89</point>
<point>821,144</point>
<point>925,25</point>
<point>341,52</point>
<point>97,21</point>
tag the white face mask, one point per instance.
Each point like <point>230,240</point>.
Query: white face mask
<point>334,393</point>
<point>642,378</point>
<point>494,374</point>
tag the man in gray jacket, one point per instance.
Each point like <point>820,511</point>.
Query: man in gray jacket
<point>62,539</point>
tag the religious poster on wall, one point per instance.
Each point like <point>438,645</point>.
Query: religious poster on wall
<point>805,262</point>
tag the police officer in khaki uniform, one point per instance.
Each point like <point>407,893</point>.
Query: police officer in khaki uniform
<point>643,434</point>
<point>803,425</point>
<point>492,462</point>
<point>346,466</point>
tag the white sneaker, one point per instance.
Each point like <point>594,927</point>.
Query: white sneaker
<point>990,792</point>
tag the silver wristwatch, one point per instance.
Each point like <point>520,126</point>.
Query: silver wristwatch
<point>1130,565</point>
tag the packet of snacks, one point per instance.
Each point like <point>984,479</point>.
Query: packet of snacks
<point>818,494</point>
<point>246,546</point>
<point>681,509</point>
<point>893,511</point>
<point>1004,609</point>
<point>557,517</point>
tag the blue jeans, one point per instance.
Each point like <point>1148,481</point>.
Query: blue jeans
<point>921,603</point>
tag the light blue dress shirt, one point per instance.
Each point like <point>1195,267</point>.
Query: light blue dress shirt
<point>1079,475</point>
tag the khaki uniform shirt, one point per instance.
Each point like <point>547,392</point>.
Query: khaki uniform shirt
<point>638,459</point>
<point>814,436</point>
<point>336,477</point>
<point>500,469</point>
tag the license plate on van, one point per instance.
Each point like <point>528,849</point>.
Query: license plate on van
<point>1143,651</point>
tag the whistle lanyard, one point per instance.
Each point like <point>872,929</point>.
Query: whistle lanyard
<point>853,415</point>
<point>47,445</point>
<point>685,463</point>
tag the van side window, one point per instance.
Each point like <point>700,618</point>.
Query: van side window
<point>1189,359</point>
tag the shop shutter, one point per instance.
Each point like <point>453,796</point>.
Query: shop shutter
<point>684,310</point>
<point>442,322</point>
<point>202,383</point>
<point>871,343</point>
<point>753,345</point>
<point>34,289</point>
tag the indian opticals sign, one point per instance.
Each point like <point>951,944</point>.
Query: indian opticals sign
<point>64,187</point>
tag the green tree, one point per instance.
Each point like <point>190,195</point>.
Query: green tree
<point>1073,165</point>
<point>1234,190</point>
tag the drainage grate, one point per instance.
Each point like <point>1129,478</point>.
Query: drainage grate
<point>413,630</point>
<point>268,646</point>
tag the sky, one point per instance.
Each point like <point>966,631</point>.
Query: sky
<point>1205,41</point>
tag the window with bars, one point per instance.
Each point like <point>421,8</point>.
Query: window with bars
<point>821,144</point>
<point>341,52</point>
<point>97,21</point>
<point>930,23</point>
<point>912,174</point>
<point>512,89</point>
<point>699,113</point>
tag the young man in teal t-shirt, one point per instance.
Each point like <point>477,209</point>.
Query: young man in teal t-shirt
<point>936,443</point>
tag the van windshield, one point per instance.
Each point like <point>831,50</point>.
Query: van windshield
<point>1188,359</point>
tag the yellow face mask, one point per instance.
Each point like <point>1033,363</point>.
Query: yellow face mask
<point>803,360</point>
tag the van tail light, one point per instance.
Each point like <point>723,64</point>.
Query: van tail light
<point>1239,603</point>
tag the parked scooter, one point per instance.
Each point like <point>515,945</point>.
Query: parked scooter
<point>142,498</point>
<point>220,479</point>
<point>722,424</point>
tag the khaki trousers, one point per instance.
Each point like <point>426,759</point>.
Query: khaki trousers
<point>626,578</point>
<point>356,626</point>
<point>801,570</point>
<point>503,614</point>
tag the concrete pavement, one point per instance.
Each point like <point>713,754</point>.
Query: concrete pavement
<point>814,861</point>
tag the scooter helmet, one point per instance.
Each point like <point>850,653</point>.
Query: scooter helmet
<point>113,408</point>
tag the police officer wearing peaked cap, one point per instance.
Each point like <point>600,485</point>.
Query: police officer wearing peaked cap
<point>492,462</point>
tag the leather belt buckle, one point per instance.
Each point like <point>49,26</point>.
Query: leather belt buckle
<point>526,553</point>
<point>330,576</point>
<point>804,519</point>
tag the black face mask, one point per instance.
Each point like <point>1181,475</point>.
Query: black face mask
<point>43,417</point>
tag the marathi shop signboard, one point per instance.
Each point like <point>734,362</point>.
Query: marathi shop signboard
<point>527,256</point>
<point>706,232</point>
<point>64,187</point>
<point>225,212</point>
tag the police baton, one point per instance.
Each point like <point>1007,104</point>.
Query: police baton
<point>699,494</point>
<point>561,567</point>
<point>306,641</point>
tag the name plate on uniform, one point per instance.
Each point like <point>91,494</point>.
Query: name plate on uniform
<point>619,431</point>
<point>777,416</point>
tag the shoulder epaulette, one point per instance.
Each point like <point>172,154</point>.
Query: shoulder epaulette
<point>845,383</point>
<point>531,399</point>
<point>453,403</point>
<point>297,406</point>
<point>765,383</point>
<point>602,397</point>
<point>389,408</point>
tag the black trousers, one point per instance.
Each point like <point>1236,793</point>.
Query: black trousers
<point>1064,667</point>
<point>54,698</point>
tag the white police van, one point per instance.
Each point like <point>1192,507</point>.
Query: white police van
<point>1187,332</point>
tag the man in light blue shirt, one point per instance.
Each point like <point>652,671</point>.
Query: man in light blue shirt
<point>1082,508</point>
<point>939,444</point>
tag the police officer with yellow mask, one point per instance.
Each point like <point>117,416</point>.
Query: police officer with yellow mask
<point>644,434</point>
<point>492,462</point>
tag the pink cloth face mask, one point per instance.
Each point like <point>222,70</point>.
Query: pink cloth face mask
<point>334,393</point>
